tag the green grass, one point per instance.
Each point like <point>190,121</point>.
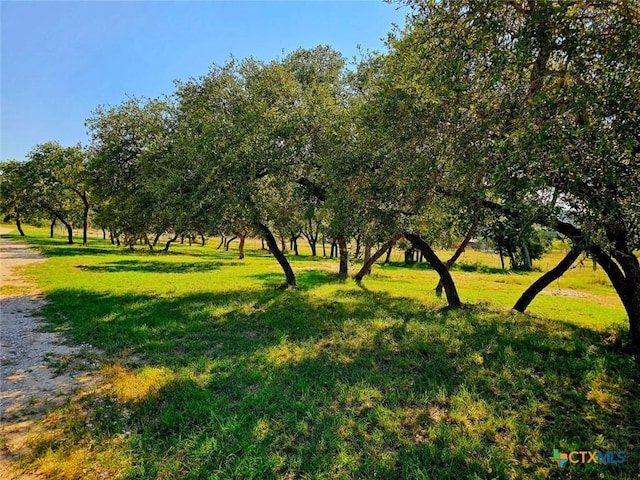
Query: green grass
<point>212,372</point>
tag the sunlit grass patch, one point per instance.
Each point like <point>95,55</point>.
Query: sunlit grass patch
<point>130,385</point>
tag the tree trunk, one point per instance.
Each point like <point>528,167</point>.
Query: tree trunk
<point>527,258</point>
<point>457,254</point>
<point>69,230</point>
<point>334,247</point>
<point>367,256</point>
<point>204,240</point>
<point>18,224</point>
<point>85,217</point>
<point>222,242</point>
<point>227,242</point>
<point>117,235</point>
<point>621,266</point>
<point>358,243</point>
<point>104,233</point>
<point>627,285</point>
<point>241,246</point>
<point>449,286</point>
<point>312,241</point>
<point>388,257</point>
<point>409,255</point>
<point>324,247</point>
<point>156,238</point>
<point>366,268</point>
<point>344,258</point>
<point>282,260</point>
<point>69,234</point>
<point>263,247</point>
<point>633,310</point>
<point>169,242</point>
<point>53,224</point>
<point>242,237</point>
<point>541,283</point>
<point>312,237</point>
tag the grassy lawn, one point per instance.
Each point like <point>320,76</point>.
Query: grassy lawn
<point>213,372</point>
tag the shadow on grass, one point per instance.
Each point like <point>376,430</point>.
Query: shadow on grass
<point>271,384</point>
<point>305,279</point>
<point>156,266</point>
<point>58,247</point>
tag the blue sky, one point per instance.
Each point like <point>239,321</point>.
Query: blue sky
<point>62,59</point>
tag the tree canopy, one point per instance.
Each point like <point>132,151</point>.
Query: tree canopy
<point>497,118</point>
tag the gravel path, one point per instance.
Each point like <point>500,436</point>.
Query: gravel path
<point>38,370</point>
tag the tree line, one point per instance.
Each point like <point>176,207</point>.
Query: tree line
<point>484,118</point>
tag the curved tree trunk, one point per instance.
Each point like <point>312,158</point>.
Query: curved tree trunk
<point>280,257</point>
<point>18,224</point>
<point>227,242</point>
<point>169,242</point>
<point>242,236</point>
<point>621,266</point>
<point>222,242</point>
<point>541,283</point>
<point>449,286</point>
<point>624,274</point>
<point>388,257</point>
<point>344,258</point>
<point>69,229</point>
<point>156,238</point>
<point>53,224</point>
<point>312,241</point>
<point>366,268</point>
<point>457,253</point>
